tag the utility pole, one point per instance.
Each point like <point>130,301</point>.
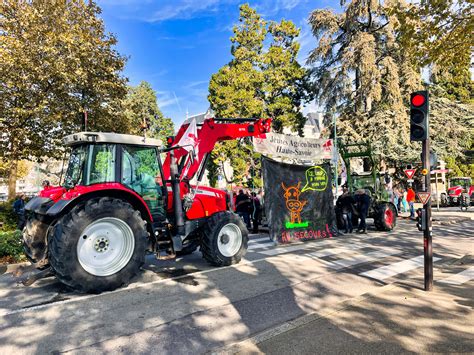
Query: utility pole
<point>427,232</point>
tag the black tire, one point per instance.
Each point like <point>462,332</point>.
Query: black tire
<point>63,255</point>
<point>386,217</point>
<point>210,239</point>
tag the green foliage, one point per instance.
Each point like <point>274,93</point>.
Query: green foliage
<point>11,245</point>
<point>212,171</point>
<point>258,83</point>
<point>365,67</point>
<point>8,217</point>
<point>23,168</point>
<point>141,106</point>
<point>459,168</point>
<point>361,75</point>
<point>454,82</point>
<point>57,61</point>
<point>437,32</point>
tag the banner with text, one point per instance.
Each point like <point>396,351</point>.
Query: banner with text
<point>298,201</point>
<point>294,147</point>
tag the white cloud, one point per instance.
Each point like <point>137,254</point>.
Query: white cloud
<point>184,9</point>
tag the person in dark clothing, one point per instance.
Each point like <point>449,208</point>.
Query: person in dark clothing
<point>345,204</point>
<point>256,211</point>
<point>362,200</point>
<point>242,207</point>
<point>19,208</point>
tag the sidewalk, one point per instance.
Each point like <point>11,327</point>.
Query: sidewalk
<point>394,319</point>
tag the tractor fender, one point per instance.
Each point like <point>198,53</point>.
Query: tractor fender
<point>63,206</point>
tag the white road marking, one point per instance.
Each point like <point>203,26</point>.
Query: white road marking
<point>260,246</point>
<point>255,240</point>
<point>460,278</point>
<point>360,259</point>
<point>387,271</point>
<point>281,250</point>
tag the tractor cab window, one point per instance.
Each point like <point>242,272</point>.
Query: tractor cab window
<point>75,166</point>
<point>100,164</point>
<point>141,173</point>
<point>90,164</point>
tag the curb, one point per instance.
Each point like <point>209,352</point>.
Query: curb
<point>246,345</point>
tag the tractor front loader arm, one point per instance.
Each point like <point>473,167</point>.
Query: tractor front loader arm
<point>211,131</point>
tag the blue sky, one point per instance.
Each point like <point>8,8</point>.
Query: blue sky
<point>177,45</point>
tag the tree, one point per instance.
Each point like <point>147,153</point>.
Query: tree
<point>362,76</point>
<point>439,32</point>
<point>454,82</point>
<point>259,83</point>
<point>284,78</point>
<point>57,61</point>
<point>141,106</point>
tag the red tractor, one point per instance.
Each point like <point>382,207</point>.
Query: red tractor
<point>460,191</point>
<point>119,200</point>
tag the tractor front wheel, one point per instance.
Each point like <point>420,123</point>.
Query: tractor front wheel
<point>98,246</point>
<point>224,239</point>
<point>386,217</point>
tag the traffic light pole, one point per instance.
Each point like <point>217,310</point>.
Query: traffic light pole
<point>427,233</point>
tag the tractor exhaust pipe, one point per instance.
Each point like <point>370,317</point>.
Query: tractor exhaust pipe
<point>177,204</point>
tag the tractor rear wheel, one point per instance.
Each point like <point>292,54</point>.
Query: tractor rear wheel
<point>224,239</point>
<point>99,245</point>
<point>386,217</point>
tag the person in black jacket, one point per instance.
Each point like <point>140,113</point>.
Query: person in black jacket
<point>362,200</point>
<point>256,212</point>
<point>243,206</point>
<point>19,208</point>
<point>345,204</point>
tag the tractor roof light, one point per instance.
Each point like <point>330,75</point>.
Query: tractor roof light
<point>418,100</point>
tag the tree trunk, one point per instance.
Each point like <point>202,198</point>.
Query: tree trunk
<point>12,176</point>
<point>357,85</point>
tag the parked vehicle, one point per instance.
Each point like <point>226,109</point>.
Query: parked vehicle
<point>119,200</point>
<point>381,209</point>
<point>461,191</point>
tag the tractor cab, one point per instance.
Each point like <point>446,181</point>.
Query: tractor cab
<point>98,160</point>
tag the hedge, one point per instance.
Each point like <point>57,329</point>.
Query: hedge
<point>8,218</point>
<point>11,248</point>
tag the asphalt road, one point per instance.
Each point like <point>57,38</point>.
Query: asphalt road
<point>186,306</point>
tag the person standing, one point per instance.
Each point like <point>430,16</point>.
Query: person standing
<point>404,201</point>
<point>396,198</point>
<point>411,201</point>
<point>19,208</point>
<point>345,204</point>
<point>256,211</point>
<point>362,200</point>
<point>242,207</point>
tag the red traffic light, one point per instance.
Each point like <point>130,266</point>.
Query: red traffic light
<point>418,100</point>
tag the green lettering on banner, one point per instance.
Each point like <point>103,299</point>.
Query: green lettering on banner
<point>290,225</point>
<point>316,179</point>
